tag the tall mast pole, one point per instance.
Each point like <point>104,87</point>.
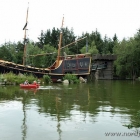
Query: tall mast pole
<point>60,40</point>
<point>25,40</point>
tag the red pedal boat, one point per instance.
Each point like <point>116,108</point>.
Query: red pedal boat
<point>29,86</point>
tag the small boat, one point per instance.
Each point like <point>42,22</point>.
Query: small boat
<point>29,86</point>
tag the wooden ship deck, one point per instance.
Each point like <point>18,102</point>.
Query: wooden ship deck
<point>6,66</point>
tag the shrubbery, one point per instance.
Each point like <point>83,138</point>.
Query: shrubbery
<point>71,78</point>
<point>11,78</point>
<point>47,79</point>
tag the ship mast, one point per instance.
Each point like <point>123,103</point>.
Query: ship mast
<point>25,40</point>
<point>59,45</point>
<point>73,42</point>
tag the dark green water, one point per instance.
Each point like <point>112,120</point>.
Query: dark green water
<point>70,112</point>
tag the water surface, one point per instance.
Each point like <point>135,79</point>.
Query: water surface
<point>65,112</point>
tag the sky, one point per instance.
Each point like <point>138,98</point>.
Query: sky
<point>107,16</point>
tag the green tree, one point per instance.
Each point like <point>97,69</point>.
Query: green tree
<point>128,62</point>
<point>91,49</point>
<point>5,54</point>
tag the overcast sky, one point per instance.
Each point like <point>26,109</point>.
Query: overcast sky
<point>107,16</point>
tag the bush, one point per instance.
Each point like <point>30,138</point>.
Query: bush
<point>47,79</point>
<point>72,78</point>
<point>11,78</point>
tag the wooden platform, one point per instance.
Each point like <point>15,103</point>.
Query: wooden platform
<point>102,66</point>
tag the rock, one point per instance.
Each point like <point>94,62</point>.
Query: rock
<point>59,80</point>
<point>66,81</point>
<point>82,80</point>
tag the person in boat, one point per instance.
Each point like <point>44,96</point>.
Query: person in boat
<point>34,82</point>
<point>26,82</point>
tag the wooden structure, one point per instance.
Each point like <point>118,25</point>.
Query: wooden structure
<point>6,66</point>
<point>102,66</point>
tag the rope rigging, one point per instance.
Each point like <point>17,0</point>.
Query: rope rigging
<point>47,60</point>
<point>41,54</point>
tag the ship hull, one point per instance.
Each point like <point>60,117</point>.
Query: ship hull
<point>78,67</point>
<point>6,67</point>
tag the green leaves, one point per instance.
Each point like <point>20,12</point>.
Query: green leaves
<point>71,78</point>
<point>91,49</point>
<point>47,79</point>
<point>128,58</point>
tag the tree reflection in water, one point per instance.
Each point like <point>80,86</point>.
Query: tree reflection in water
<point>76,108</point>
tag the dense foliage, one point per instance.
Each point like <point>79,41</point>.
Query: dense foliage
<point>127,64</point>
<point>71,78</point>
<point>128,57</point>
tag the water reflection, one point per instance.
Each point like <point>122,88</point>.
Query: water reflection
<point>24,126</point>
<point>76,111</point>
<point>58,103</point>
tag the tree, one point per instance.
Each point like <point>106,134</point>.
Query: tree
<point>5,54</point>
<point>92,49</point>
<point>128,62</point>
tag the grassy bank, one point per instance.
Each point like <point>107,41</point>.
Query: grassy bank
<point>13,79</point>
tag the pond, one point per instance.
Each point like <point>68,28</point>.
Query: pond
<point>87,111</point>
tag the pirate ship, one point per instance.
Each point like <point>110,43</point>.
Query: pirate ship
<point>78,64</point>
